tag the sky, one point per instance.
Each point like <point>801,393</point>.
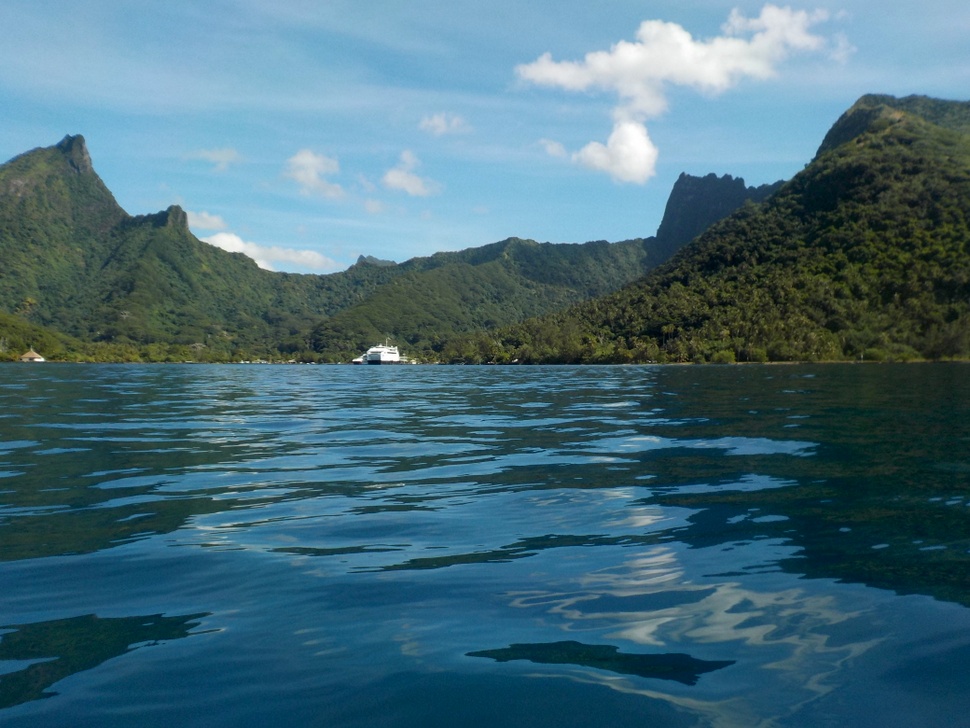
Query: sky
<point>305,133</point>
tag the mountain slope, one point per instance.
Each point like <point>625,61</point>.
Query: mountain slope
<point>489,287</point>
<point>484,288</point>
<point>76,262</point>
<point>55,217</point>
<point>864,254</point>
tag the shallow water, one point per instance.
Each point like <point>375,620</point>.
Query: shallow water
<point>528,546</point>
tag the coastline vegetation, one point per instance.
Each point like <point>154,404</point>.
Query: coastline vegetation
<point>862,256</point>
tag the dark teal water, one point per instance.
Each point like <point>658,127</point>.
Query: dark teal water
<point>484,546</point>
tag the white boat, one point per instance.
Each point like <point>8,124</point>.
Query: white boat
<point>382,354</point>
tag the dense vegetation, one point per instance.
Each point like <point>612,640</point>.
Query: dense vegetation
<point>118,287</point>
<point>499,285</point>
<point>144,288</point>
<point>863,255</point>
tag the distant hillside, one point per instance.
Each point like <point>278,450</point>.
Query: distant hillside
<point>863,255</point>
<point>481,289</point>
<point>144,287</point>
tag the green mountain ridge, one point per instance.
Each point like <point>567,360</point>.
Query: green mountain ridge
<point>865,254</point>
<point>107,284</point>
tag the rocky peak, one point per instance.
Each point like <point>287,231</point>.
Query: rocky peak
<point>696,203</point>
<point>173,217</point>
<point>177,218</point>
<point>76,153</point>
<point>371,260</point>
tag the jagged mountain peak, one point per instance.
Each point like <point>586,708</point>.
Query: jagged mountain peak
<point>862,255</point>
<point>73,259</point>
<point>371,260</point>
<point>57,185</point>
<point>75,150</point>
<point>171,217</point>
<point>696,203</point>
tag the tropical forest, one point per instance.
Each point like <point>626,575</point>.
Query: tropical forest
<point>861,256</point>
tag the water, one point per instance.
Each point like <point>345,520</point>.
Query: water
<point>483,546</point>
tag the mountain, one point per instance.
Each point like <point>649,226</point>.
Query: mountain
<point>481,288</point>
<point>865,254</point>
<point>484,288</point>
<point>696,203</point>
<point>55,219</point>
<point>78,263</point>
<point>143,287</point>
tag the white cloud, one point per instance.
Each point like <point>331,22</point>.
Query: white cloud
<point>403,178</point>
<point>553,148</point>
<point>666,54</point>
<point>441,124</point>
<point>374,207</point>
<point>267,256</point>
<point>310,170</point>
<point>221,158</point>
<point>205,221</point>
<point>628,156</point>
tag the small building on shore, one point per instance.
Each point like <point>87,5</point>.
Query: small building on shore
<point>31,356</point>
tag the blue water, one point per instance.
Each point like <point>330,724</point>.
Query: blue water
<point>484,546</point>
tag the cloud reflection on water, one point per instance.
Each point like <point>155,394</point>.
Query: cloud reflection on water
<point>792,641</point>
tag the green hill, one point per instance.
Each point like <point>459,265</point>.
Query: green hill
<point>482,289</point>
<point>864,254</point>
<point>143,287</point>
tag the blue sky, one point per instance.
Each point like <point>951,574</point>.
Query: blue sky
<point>308,132</point>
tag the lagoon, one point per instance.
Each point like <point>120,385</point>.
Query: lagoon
<point>484,546</point>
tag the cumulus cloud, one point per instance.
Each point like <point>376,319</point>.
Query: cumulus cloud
<point>665,54</point>
<point>273,257</point>
<point>221,158</point>
<point>441,124</point>
<point>205,221</point>
<point>403,178</point>
<point>309,170</point>
<point>628,156</point>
